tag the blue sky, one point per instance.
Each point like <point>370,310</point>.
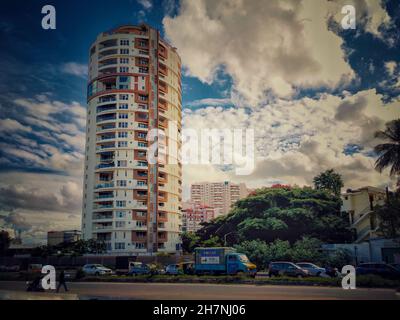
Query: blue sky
<point>313,92</point>
<point>32,56</point>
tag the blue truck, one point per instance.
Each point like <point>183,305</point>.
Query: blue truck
<point>222,260</point>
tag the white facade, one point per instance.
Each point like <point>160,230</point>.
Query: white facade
<point>219,195</point>
<point>359,205</point>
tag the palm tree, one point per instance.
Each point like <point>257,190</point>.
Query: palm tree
<point>389,152</point>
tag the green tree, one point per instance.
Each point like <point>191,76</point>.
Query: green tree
<point>307,249</point>
<point>389,152</point>
<point>256,251</point>
<point>338,259</point>
<point>330,181</point>
<point>278,250</point>
<point>279,213</point>
<point>388,216</point>
<point>189,241</point>
<point>213,241</point>
<point>4,242</point>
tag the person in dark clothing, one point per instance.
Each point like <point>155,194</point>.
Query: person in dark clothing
<point>61,281</point>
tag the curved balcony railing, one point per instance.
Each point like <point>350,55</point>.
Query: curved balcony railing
<point>105,185</point>
<point>105,165</point>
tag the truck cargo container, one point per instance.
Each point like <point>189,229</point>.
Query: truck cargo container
<point>222,260</point>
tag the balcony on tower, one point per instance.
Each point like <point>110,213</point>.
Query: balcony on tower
<point>105,146</point>
<point>162,216</point>
<point>108,215</point>
<point>142,117</point>
<point>108,44</point>
<point>103,226</point>
<point>106,117</point>
<point>162,51</point>
<point>103,205</point>
<point>106,107</point>
<point>141,62</point>
<point>139,236</point>
<point>104,178</point>
<point>162,236</point>
<point>103,235</point>
<point>162,177</point>
<point>105,136</point>
<point>163,69</point>
<point>108,52</point>
<point>107,98</point>
<point>104,195</point>
<point>140,174</point>
<point>106,127</point>
<point>142,43</point>
<point>162,86</point>
<point>140,195</point>
<point>139,215</point>
<point>108,62</point>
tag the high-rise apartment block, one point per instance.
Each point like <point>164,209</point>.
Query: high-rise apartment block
<point>130,202</point>
<point>219,195</point>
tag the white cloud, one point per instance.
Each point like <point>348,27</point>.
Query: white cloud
<point>10,125</point>
<point>36,203</point>
<point>370,14</point>
<point>76,69</point>
<point>295,140</point>
<point>266,47</point>
<point>209,102</point>
<point>391,67</point>
<point>147,4</point>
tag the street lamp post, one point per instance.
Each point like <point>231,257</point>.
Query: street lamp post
<point>227,234</point>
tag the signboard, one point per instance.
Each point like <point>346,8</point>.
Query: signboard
<point>209,260</point>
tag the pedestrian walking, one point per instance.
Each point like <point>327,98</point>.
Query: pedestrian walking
<point>61,281</point>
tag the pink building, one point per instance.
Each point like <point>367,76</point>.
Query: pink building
<point>194,214</point>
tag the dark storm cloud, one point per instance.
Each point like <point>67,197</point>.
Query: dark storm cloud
<point>12,197</point>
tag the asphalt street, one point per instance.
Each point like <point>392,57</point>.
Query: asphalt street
<point>186,291</point>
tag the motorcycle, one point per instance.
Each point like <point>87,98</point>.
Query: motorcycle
<point>35,285</point>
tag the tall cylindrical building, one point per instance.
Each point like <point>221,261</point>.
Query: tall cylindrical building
<point>134,97</point>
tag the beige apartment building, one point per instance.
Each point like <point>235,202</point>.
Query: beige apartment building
<point>219,195</point>
<point>129,202</point>
<point>359,204</point>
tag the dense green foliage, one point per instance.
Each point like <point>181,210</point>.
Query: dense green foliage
<point>72,249</point>
<point>287,214</point>
<point>330,181</point>
<point>389,217</point>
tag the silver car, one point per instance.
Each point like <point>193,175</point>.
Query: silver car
<point>96,269</point>
<point>313,270</point>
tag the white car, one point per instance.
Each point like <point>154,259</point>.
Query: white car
<point>313,270</point>
<point>96,269</point>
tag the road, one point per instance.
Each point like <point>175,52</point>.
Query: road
<point>184,291</point>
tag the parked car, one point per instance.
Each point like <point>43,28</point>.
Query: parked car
<point>96,269</point>
<point>173,269</point>
<point>380,269</point>
<point>396,265</point>
<point>14,268</point>
<point>187,267</point>
<point>284,268</point>
<point>35,267</point>
<point>333,272</point>
<point>138,269</point>
<point>313,270</point>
